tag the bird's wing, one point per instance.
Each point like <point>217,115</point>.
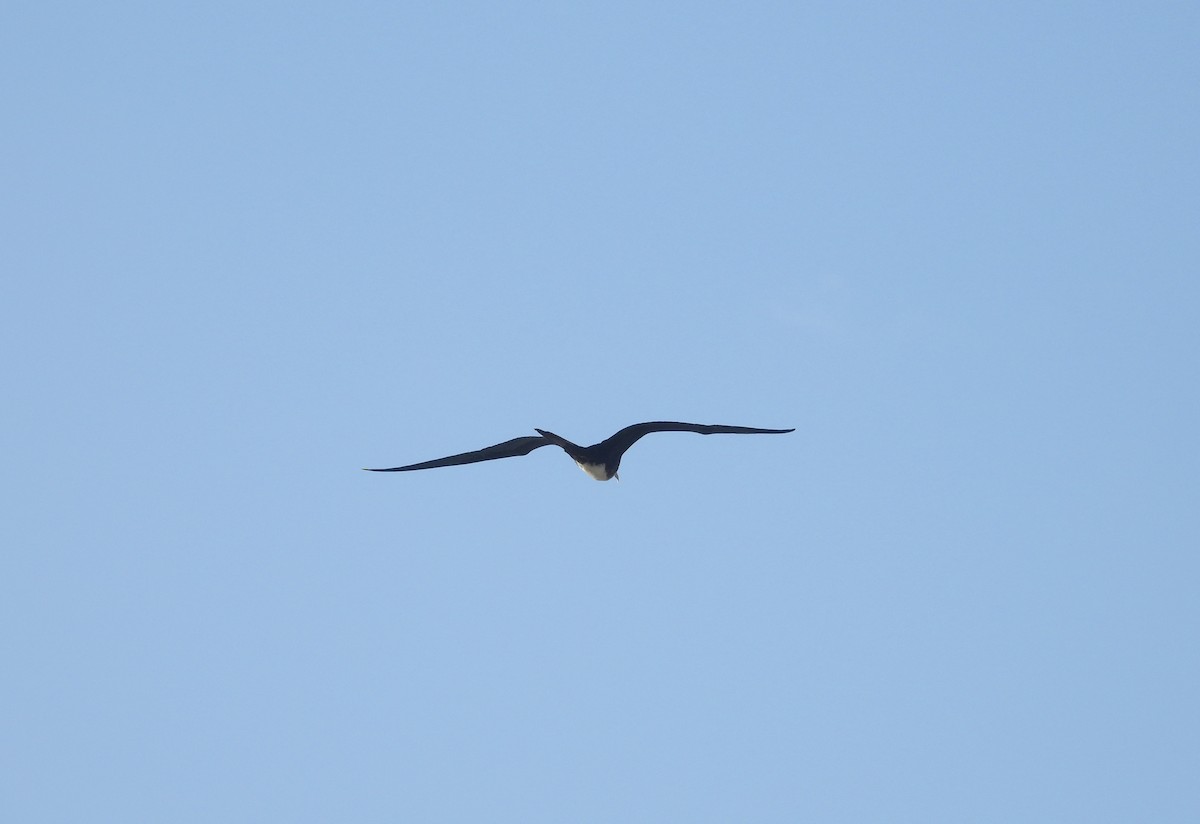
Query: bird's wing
<point>508,449</point>
<point>628,436</point>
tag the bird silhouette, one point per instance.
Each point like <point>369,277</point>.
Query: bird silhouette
<point>600,460</point>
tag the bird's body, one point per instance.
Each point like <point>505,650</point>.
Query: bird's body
<point>600,461</point>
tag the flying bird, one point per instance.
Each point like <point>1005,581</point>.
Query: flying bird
<point>600,460</point>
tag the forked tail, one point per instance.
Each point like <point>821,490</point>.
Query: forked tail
<point>568,447</point>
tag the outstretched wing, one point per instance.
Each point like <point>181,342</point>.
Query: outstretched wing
<point>628,436</point>
<point>508,449</point>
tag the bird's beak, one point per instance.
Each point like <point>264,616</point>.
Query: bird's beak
<point>617,475</point>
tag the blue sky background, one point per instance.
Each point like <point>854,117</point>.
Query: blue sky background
<point>251,247</point>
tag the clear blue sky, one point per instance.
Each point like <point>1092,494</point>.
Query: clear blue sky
<point>249,248</point>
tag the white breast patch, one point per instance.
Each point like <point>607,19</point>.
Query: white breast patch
<point>595,470</point>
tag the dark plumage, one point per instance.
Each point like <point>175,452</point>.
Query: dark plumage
<point>601,460</point>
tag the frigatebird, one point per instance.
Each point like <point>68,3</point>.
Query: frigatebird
<point>600,461</point>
